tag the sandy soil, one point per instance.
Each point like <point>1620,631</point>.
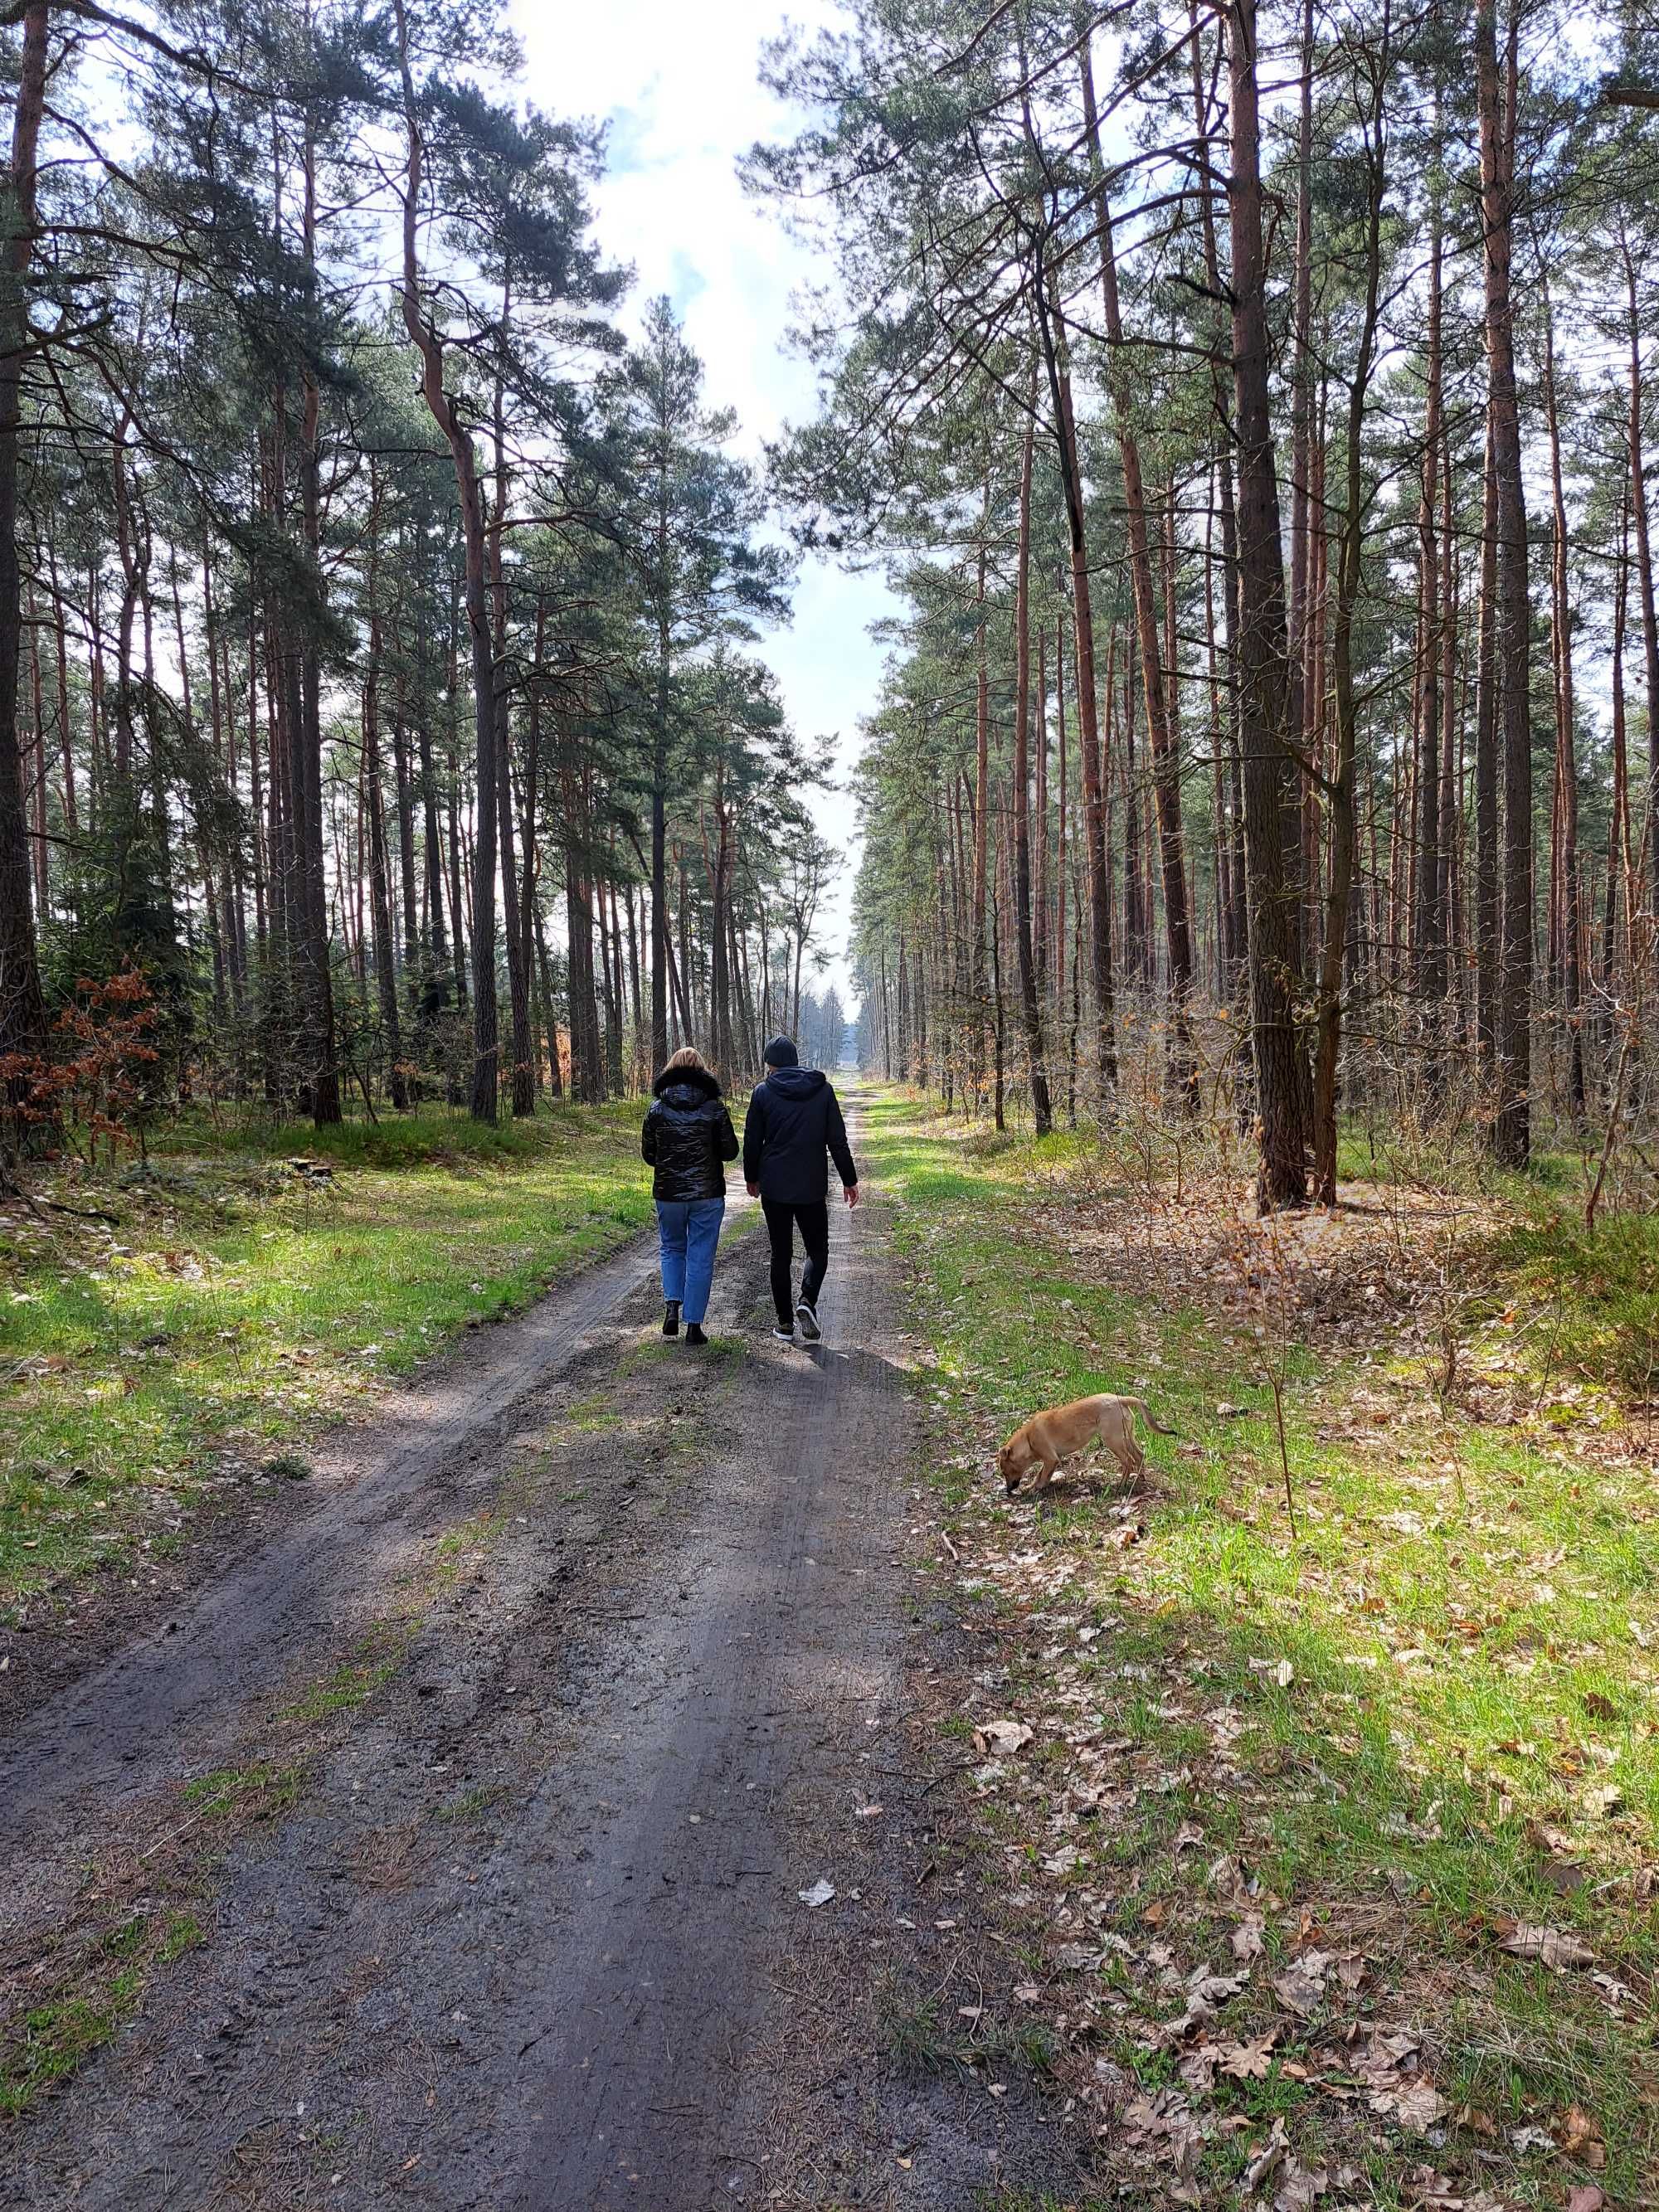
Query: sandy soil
<point>531,1934</point>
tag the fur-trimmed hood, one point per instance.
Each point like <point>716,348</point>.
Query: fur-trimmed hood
<point>695,1082</point>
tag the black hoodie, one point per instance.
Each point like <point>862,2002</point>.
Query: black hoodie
<point>793,1122</point>
<point>688,1135</point>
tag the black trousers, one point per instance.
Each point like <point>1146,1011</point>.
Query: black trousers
<point>782,1219</point>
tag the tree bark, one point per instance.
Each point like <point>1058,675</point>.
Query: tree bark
<point>1030,1008</point>
<point>1511,1138</point>
<point>1487,951</point>
<point>1566,764</point>
<point>423,335</point>
<point>1371,82</point>
<point>1263,654</point>
<point>982,798</point>
<point>22,1007</point>
<point>316,978</point>
<point>1094,828</point>
<point>518,951</point>
<point>1166,778</point>
<point>386,973</point>
<point>1430,932</point>
<point>1644,569</point>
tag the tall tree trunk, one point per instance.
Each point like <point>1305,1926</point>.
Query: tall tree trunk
<point>455,844</point>
<point>423,335</point>
<point>1030,1008</point>
<point>37,755</point>
<point>1511,1124</point>
<point>434,953</point>
<point>1263,698</point>
<point>1094,811</point>
<point>385,971</point>
<point>404,782</point>
<point>1451,729</point>
<point>1040,817</point>
<point>1487,877</point>
<point>982,797</point>
<point>1137,949</point>
<point>1430,930</point>
<point>1306,504</point>
<point>1566,764</point>
<point>518,951</point>
<point>315,967</point>
<point>529,911</point>
<point>1159,724</point>
<point>1369,85</point>
<point>1063,949</point>
<point>1619,851</point>
<point>1644,571</point>
<point>22,1007</point>
<point>1235,936</point>
<point>1181,1069</point>
<point>661,947</point>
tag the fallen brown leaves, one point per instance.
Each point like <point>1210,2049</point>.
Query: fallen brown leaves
<point>1176,1956</point>
<point>1177,1982</point>
<point>1548,1945</point>
<point>1176,1953</point>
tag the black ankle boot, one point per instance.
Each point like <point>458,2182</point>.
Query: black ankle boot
<point>671,1318</point>
<point>694,1332</point>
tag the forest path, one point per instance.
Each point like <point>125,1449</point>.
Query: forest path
<point>172,1701</point>
<point>529,1933</point>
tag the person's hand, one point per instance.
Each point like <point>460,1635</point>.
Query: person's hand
<point>753,1189</point>
<point>850,1192</point>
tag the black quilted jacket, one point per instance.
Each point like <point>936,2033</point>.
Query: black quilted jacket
<point>688,1135</point>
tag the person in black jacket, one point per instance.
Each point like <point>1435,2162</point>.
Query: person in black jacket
<point>687,1138</point>
<point>792,1128</point>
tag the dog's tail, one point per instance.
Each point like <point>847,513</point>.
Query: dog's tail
<point>1146,1416</point>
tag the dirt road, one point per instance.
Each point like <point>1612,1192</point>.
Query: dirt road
<point>527,1932</point>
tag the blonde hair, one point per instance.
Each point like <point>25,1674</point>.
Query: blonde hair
<point>687,1056</point>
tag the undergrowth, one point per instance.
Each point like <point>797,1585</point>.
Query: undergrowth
<point>1440,1698</point>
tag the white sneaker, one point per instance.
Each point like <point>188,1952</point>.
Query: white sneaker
<point>809,1322</point>
<point>784,1336</point>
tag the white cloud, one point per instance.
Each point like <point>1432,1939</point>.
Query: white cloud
<point>680,88</point>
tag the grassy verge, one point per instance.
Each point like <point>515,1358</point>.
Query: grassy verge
<point>231,1304</point>
<point>1413,1746</point>
<point>149,1898</point>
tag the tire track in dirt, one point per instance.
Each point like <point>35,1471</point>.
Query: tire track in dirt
<point>531,1938</point>
<point>174,1696</point>
<point>641,2042</point>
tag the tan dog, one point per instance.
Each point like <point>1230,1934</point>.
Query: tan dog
<point>1059,1430</point>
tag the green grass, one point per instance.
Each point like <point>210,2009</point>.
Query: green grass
<point>252,1792</point>
<point>97,1988</point>
<point>56,2037</point>
<point>182,1933</point>
<point>1471,1614</point>
<point>233,1307</point>
<point>343,1690</point>
<point>471,1804</point>
<point>1598,1294</point>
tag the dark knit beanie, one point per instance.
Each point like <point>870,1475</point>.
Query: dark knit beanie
<point>782,1053</point>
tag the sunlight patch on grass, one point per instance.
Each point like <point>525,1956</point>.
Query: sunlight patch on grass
<point>1470,1619</point>
<point>236,1307</point>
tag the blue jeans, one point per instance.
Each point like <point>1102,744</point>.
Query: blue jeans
<point>688,1229</point>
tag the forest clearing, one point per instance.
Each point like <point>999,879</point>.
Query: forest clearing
<point>733,751</point>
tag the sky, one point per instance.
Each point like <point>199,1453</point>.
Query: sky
<point>679,86</point>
